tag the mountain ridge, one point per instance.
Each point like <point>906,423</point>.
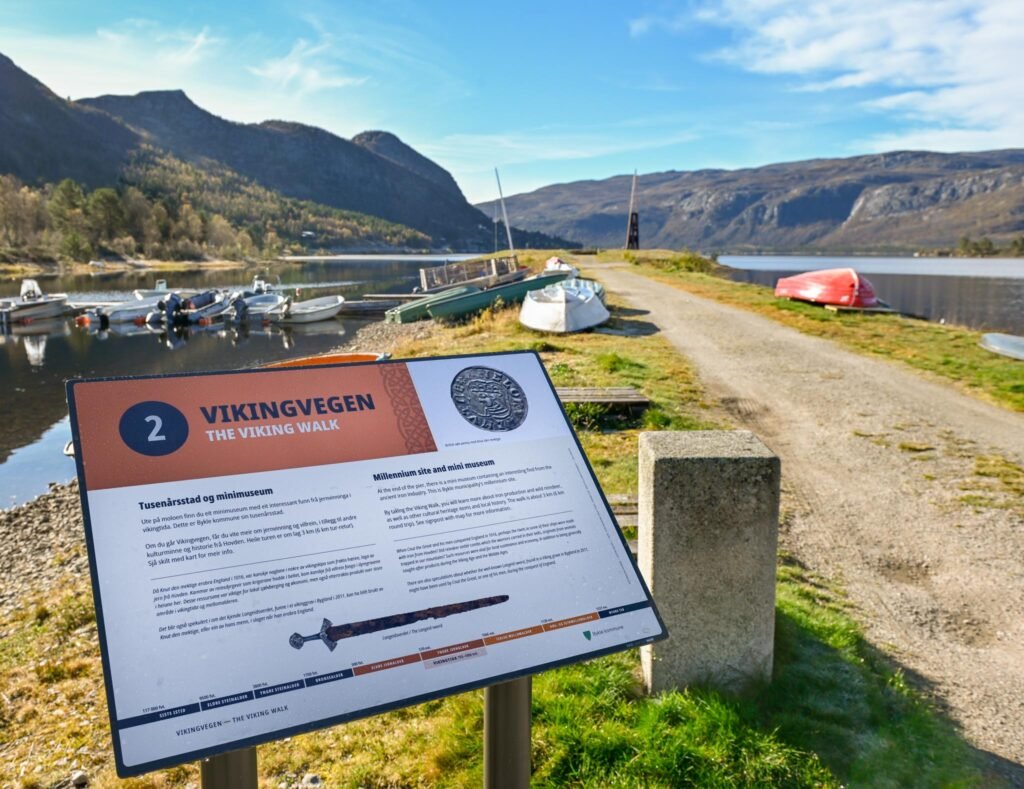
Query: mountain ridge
<point>92,141</point>
<point>894,201</point>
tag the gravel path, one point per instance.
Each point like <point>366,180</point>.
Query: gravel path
<point>874,462</point>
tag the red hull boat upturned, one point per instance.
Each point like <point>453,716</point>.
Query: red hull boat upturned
<point>842,287</point>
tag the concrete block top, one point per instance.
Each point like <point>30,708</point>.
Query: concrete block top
<point>703,444</point>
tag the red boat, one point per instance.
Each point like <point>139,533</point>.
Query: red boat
<point>842,287</point>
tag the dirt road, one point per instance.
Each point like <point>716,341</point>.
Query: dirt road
<point>876,465</point>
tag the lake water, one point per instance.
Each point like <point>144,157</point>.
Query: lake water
<point>980,293</point>
<point>37,359</point>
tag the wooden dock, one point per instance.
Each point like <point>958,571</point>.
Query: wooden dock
<point>393,296</point>
<point>367,307</point>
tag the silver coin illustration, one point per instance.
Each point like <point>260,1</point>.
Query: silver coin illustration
<point>489,399</point>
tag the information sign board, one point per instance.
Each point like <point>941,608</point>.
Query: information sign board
<point>274,551</point>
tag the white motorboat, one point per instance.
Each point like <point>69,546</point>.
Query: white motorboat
<point>311,311</point>
<point>32,305</point>
<point>258,302</point>
<point>132,310</point>
<point>568,306</point>
<point>259,305</point>
<point>160,289</point>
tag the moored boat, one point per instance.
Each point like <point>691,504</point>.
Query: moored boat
<point>512,293</point>
<point>1004,344</point>
<point>842,287</point>
<point>311,311</point>
<point>569,306</point>
<point>130,311</point>
<point>32,305</point>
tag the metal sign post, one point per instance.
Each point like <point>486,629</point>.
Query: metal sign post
<point>507,712</point>
<point>232,770</point>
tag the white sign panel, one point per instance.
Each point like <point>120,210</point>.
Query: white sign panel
<point>275,551</point>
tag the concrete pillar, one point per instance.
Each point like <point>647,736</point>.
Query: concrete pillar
<point>708,530</point>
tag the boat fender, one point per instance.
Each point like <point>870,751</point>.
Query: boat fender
<point>82,321</point>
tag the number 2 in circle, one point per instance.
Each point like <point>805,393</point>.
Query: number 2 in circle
<point>155,434</point>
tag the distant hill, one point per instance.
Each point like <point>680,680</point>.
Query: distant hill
<point>897,201</point>
<point>44,138</point>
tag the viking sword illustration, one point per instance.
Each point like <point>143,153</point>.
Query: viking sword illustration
<point>332,634</point>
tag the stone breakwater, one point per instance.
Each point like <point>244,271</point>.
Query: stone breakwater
<point>40,542</point>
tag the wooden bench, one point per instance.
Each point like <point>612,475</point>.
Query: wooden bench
<point>614,395</point>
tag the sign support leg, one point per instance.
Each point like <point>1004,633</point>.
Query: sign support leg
<point>507,734</point>
<point>232,770</point>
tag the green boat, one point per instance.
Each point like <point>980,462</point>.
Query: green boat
<point>417,310</point>
<point>512,293</point>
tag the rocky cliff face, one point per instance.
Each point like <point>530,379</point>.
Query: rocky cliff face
<point>901,200</point>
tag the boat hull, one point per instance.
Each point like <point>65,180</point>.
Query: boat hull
<point>842,287</point>
<point>323,309</point>
<point>564,307</point>
<point>513,293</point>
<point>48,307</point>
<point>417,310</point>
<point>332,358</point>
<point>1008,345</point>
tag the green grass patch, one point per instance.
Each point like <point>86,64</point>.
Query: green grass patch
<point>836,713</point>
<point>644,361</point>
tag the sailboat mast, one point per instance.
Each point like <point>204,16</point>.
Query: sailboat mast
<point>504,213</point>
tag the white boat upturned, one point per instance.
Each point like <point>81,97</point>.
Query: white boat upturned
<point>569,306</point>
<point>311,311</point>
<point>1008,345</point>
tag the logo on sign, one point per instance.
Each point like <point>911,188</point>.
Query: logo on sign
<point>153,428</point>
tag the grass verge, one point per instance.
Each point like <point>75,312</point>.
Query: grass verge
<point>836,713</point>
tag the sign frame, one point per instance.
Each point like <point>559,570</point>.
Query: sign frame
<point>125,771</point>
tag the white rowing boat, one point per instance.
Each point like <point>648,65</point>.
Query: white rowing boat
<point>311,311</point>
<point>568,306</point>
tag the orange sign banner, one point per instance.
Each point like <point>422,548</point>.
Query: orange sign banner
<point>142,431</point>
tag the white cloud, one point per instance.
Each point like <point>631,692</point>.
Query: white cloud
<point>642,25</point>
<point>306,68</point>
<point>89,64</point>
<point>473,157</point>
<point>946,65</point>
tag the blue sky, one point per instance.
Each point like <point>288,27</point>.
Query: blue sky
<point>559,91</point>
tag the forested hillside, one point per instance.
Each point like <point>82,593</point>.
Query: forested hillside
<point>167,209</point>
